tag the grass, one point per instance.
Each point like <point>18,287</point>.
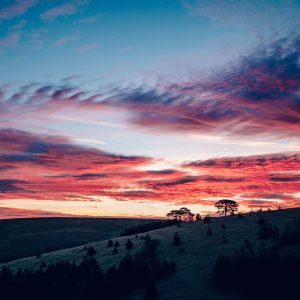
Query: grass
<point>193,279</point>
<point>27,237</point>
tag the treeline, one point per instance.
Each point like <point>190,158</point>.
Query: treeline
<point>148,227</point>
<point>86,281</point>
<point>264,274</point>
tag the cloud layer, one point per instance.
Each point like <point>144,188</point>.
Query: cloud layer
<point>52,168</point>
<point>257,95</point>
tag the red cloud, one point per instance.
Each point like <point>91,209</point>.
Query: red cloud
<point>49,167</point>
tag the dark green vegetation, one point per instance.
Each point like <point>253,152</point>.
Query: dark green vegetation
<point>86,281</point>
<point>29,237</point>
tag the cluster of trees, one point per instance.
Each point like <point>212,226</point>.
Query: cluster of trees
<point>224,207</point>
<point>290,235</point>
<point>147,227</point>
<point>86,281</point>
<point>182,215</point>
<point>264,274</point>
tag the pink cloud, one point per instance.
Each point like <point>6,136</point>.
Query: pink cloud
<point>55,12</point>
<point>18,8</point>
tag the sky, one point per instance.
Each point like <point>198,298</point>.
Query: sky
<point>131,108</point>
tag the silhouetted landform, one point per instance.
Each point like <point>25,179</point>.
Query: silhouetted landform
<point>67,280</point>
<point>141,228</point>
<point>28,237</point>
<point>195,249</point>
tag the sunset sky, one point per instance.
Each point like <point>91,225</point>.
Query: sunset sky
<point>135,107</point>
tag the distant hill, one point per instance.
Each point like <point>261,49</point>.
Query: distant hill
<point>27,237</point>
<point>194,259</point>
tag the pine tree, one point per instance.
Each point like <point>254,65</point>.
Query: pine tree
<point>176,239</point>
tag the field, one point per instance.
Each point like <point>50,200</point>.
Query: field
<point>194,267</point>
<point>27,237</point>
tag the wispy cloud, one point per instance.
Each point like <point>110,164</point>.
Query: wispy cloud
<point>87,47</point>
<point>55,12</point>
<point>20,7</point>
<point>68,38</point>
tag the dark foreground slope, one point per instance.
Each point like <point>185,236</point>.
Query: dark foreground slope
<point>195,257</point>
<point>27,237</point>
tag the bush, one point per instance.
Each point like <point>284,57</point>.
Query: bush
<point>261,221</point>
<point>207,219</point>
<point>240,216</point>
<point>209,231</point>
<point>117,244</point>
<point>129,245</point>
<point>115,250</point>
<point>91,251</point>
<point>176,239</point>
<point>110,244</point>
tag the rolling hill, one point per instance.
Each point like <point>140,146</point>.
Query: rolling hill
<point>194,264</point>
<point>27,237</point>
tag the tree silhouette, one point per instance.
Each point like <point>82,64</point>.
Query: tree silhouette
<point>129,244</point>
<point>225,206</point>
<point>183,214</point>
<point>176,239</point>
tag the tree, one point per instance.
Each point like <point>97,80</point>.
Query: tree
<point>129,244</point>
<point>176,239</point>
<point>91,251</point>
<point>110,243</point>
<point>225,206</point>
<point>198,217</point>
<point>183,215</point>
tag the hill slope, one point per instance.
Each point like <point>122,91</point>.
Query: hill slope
<point>193,277</point>
<point>26,237</point>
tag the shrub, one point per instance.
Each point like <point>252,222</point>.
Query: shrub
<point>209,231</point>
<point>110,244</point>
<point>91,251</point>
<point>129,245</point>
<point>240,216</point>
<point>176,239</point>
<point>117,244</point>
<point>115,250</point>
<point>261,221</point>
<point>207,219</point>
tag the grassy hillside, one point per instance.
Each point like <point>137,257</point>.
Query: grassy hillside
<point>26,237</point>
<point>193,277</point>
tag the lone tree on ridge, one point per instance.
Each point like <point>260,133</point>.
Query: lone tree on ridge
<point>225,206</point>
